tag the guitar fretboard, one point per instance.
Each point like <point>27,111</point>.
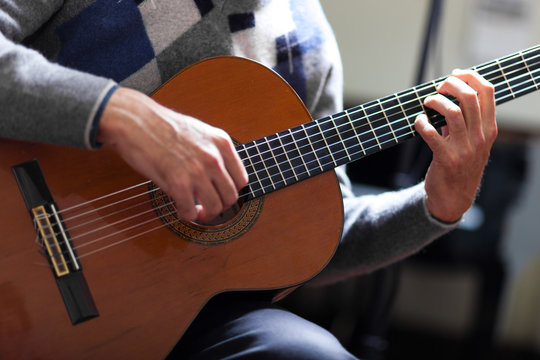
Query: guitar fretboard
<point>284,158</point>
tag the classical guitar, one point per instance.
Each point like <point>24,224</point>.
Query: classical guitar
<point>94,262</point>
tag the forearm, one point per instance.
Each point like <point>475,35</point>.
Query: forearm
<point>45,102</point>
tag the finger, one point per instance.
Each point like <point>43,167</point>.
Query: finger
<point>226,189</point>
<point>486,97</point>
<point>209,200</point>
<point>184,202</point>
<point>234,166</point>
<point>451,112</point>
<point>468,100</point>
<point>428,133</point>
<point>220,178</point>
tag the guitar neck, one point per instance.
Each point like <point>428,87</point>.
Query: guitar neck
<point>289,156</point>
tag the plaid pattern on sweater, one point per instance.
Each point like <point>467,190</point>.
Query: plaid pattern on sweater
<point>141,44</point>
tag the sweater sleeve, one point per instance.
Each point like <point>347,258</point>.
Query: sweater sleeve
<point>42,101</point>
<point>380,229</point>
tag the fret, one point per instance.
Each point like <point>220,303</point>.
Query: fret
<point>381,124</point>
<point>250,168</point>
<point>293,154</point>
<point>479,70</point>
<point>355,133</point>
<point>336,133</point>
<point>405,115</point>
<point>298,147</point>
<point>422,92</point>
<point>324,137</point>
<point>517,75</point>
<point>401,127</point>
<point>343,132</point>
<point>436,83</point>
<point>389,115</point>
<point>505,79</point>
<point>388,121</point>
<point>366,133</point>
<point>493,74</point>
<point>425,90</point>
<point>371,111</point>
<point>277,154</point>
<point>490,72</point>
<point>317,151</point>
<point>286,155</point>
<point>269,163</point>
<point>528,70</point>
<point>419,98</point>
<point>259,168</point>
<point>410,103</point>
<point>532,60</point>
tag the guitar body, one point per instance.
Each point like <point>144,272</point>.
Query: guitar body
<point>149,285</point>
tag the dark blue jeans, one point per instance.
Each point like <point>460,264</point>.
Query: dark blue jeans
<point>246,327</point>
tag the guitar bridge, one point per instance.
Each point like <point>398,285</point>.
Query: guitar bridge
<point>48,233</point>
<point>56,242</point>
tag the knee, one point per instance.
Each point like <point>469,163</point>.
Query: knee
<point>291,337</point>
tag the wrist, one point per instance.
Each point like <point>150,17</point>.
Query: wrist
<point>92,137</point>
<point>440,213</point>
<point>121,105</point>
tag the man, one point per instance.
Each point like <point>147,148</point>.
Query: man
<point>85,83</point>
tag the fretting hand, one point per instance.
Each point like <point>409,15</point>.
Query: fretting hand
<point>461,151</point>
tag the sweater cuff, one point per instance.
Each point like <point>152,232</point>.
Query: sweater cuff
<point>436,221</point>
<point>92,126</point>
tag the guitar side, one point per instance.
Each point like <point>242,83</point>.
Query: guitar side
<point>147,289</point>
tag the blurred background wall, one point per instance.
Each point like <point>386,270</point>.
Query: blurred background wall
<point>381,42</point>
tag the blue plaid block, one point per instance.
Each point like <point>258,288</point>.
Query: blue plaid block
<point>108,38</point>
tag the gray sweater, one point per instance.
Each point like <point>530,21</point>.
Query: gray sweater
<point>60,59</point>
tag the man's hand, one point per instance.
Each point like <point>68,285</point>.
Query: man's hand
<point>194,163</point>
<point>462,151</point>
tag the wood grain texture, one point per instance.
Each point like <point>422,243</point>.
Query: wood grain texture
<point>148,289</point>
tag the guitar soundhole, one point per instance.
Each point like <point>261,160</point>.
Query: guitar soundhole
<point>226,227</point>
<point>225,216</point>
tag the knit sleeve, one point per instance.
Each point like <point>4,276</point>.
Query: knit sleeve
<point>381,229</point>
<point>42,101</point>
